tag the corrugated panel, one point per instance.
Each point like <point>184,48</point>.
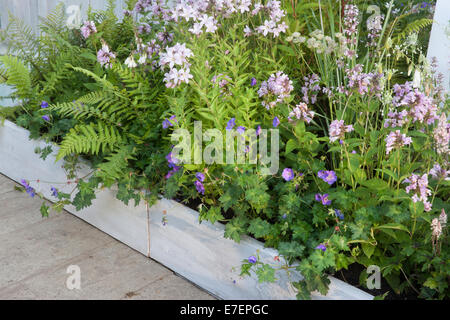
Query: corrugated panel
<point>30,10</point>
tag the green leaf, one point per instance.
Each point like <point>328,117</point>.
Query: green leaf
<point>266,273</point>
<point>302,288</point>
<point>291,145</point>
<point>339,242</point>
<point>395,226</point>
<point>234,229</point>
<point>368,249</point>
<point>376,184</point>
<point>260,228</point>
<point>44,210</point>
<point>212,215</point>
<point>431,283</point>
<point>291,249</point>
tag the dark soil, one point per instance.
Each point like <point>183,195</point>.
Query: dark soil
<point>351,276</point>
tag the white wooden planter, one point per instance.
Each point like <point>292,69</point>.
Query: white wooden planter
<point>198,252</point>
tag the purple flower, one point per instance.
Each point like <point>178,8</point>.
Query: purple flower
<point>172,161</point>
<point>166,123</point>
<point>169,122</point>
<point>276,122</point>
<point>323,198</point>
<point>172,172</point>
<point>252,259</point>
<point>104,56</point>
<point>327,176</point>
<point>338,129</point>
<point>396,140</point>
<point>301,112</point>
<point>277,87</point>
<point>240,129</point>
<point>288,174</point>
<point>419,186</point>
<point>339,214</point>
<point>28,188</point>
<point>284,216</point>
<point>46,118</point>
<point>88,28</point>
<point>199,186</point>
<point>54,192</point>
<point>200,176</point>
<point>258,131</point>
<point>321,247</point>
<point>44,104</point>
<point>231,123</point>
<point>253,82</point>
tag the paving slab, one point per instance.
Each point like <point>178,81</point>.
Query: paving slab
<point>36,252</point>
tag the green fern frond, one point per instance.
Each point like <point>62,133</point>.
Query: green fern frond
<point>414,27</point>
<point>105,83</point>
<point>55,21</point>
<point>16,74</point>
<point>91,138</point>
<point>83,109</point>
<point>21,41</point>
<point>116,164</point>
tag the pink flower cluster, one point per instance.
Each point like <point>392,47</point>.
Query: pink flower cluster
<point>441,135</point>
<point>438,172</point>
<point>374,26</point>
<point>204,14</point>
<point>396,140</point>
<point>173,57</point>
<point>364,83</point>
<point>301,112</point>
<point>155,7</point>
<point>222,81</point>
<point>351,22</point>
<point>338,129</point>
<point>104,56</point>
<point>419,107</point>
<point>419,185</point>
<point>272,25</point>
<point>278,86</point>
<point>88,28</point>
<point>311,88</point>
<point>206,21</point>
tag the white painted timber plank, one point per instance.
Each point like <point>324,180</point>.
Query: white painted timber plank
<point>19,161</point>
<point>196,251</point>
<point>439,45</point>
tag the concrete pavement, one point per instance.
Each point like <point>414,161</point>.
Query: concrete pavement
<point>36,252</point>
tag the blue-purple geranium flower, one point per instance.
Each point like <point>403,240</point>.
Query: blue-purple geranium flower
<point>199,186</point>
<point>276,122</point>
<point>253,82</point>
<point>54,192</point>
<point>321,247</point>
<point>258,130</point>
<point>240,129</point>
<point>169,122</point>
<point>339,214</point>
<point>252,259</point>
<point>200,176</point>
<point>327,176</point>
<point>231,123</point>
<point>31,192</point>
<point>323,198</point>
<point>44,104</point>
<point>46,118</point>
<point>288,174</point>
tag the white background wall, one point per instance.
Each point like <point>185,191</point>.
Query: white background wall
<point>440,39</point>
<point>30,10</point>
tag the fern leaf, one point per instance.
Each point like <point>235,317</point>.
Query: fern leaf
<point>16,74</point>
